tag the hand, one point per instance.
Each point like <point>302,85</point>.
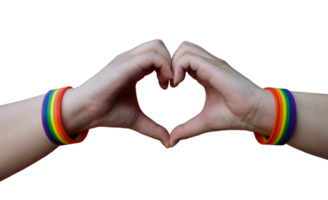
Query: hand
<point>109,98</point>
<point>232,101</point>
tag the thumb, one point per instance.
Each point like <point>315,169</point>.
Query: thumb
<point>148,127</point>
<point>191,128</point>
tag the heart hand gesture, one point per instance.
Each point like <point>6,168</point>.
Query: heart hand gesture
<point>109,97</point>
<point>232,101</point>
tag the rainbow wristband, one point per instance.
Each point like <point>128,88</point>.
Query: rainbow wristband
<point>51,119</point>
<point>285,118</point>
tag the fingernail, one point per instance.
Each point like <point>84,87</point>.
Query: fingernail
<point>165,144</point>
<point>171,143</point>
<point>173,82</point>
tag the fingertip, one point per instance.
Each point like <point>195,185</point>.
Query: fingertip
<point>173,143</point>
<point>162,40</point>
<point>166,144</point>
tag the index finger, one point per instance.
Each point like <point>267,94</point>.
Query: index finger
<point>156,46</point>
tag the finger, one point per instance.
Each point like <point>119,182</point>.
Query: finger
<point>203,51</point>
<point>147,126</point>
<point>157,46</point>
<point>164,83</point>
<point>207,52</point>
<point>194,63</point>
<point>164,80</point>
<point>183,49</point>
<point>188,47</point>
<point>191,128</point>
<point>150,60</point>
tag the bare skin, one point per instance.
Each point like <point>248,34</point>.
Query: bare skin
<point>231,99</point>
<point>108,99</point>
<point>233,102</point>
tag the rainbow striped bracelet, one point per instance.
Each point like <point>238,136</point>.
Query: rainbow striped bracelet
<point>285,118</point>
<point>51,119</point>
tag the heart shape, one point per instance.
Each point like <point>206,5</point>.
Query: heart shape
<point>173,106</point>
<point>231,99</point>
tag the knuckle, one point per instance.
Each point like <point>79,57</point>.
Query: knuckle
<point>151,53</point>
<point>225,61</point>
<point>184,44</point>
<point>189,55</point>
<point>157,42</point>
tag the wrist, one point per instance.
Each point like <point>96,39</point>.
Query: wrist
<point>75,117</point>
<point>263,119</point>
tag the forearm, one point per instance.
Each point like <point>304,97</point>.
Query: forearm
<point>311,128</point>
<point>22,138</point>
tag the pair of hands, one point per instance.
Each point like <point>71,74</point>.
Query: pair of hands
<point>233,102</point>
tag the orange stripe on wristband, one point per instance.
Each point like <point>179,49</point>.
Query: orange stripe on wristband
<point>52,122</point>
<point>285,118</point>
